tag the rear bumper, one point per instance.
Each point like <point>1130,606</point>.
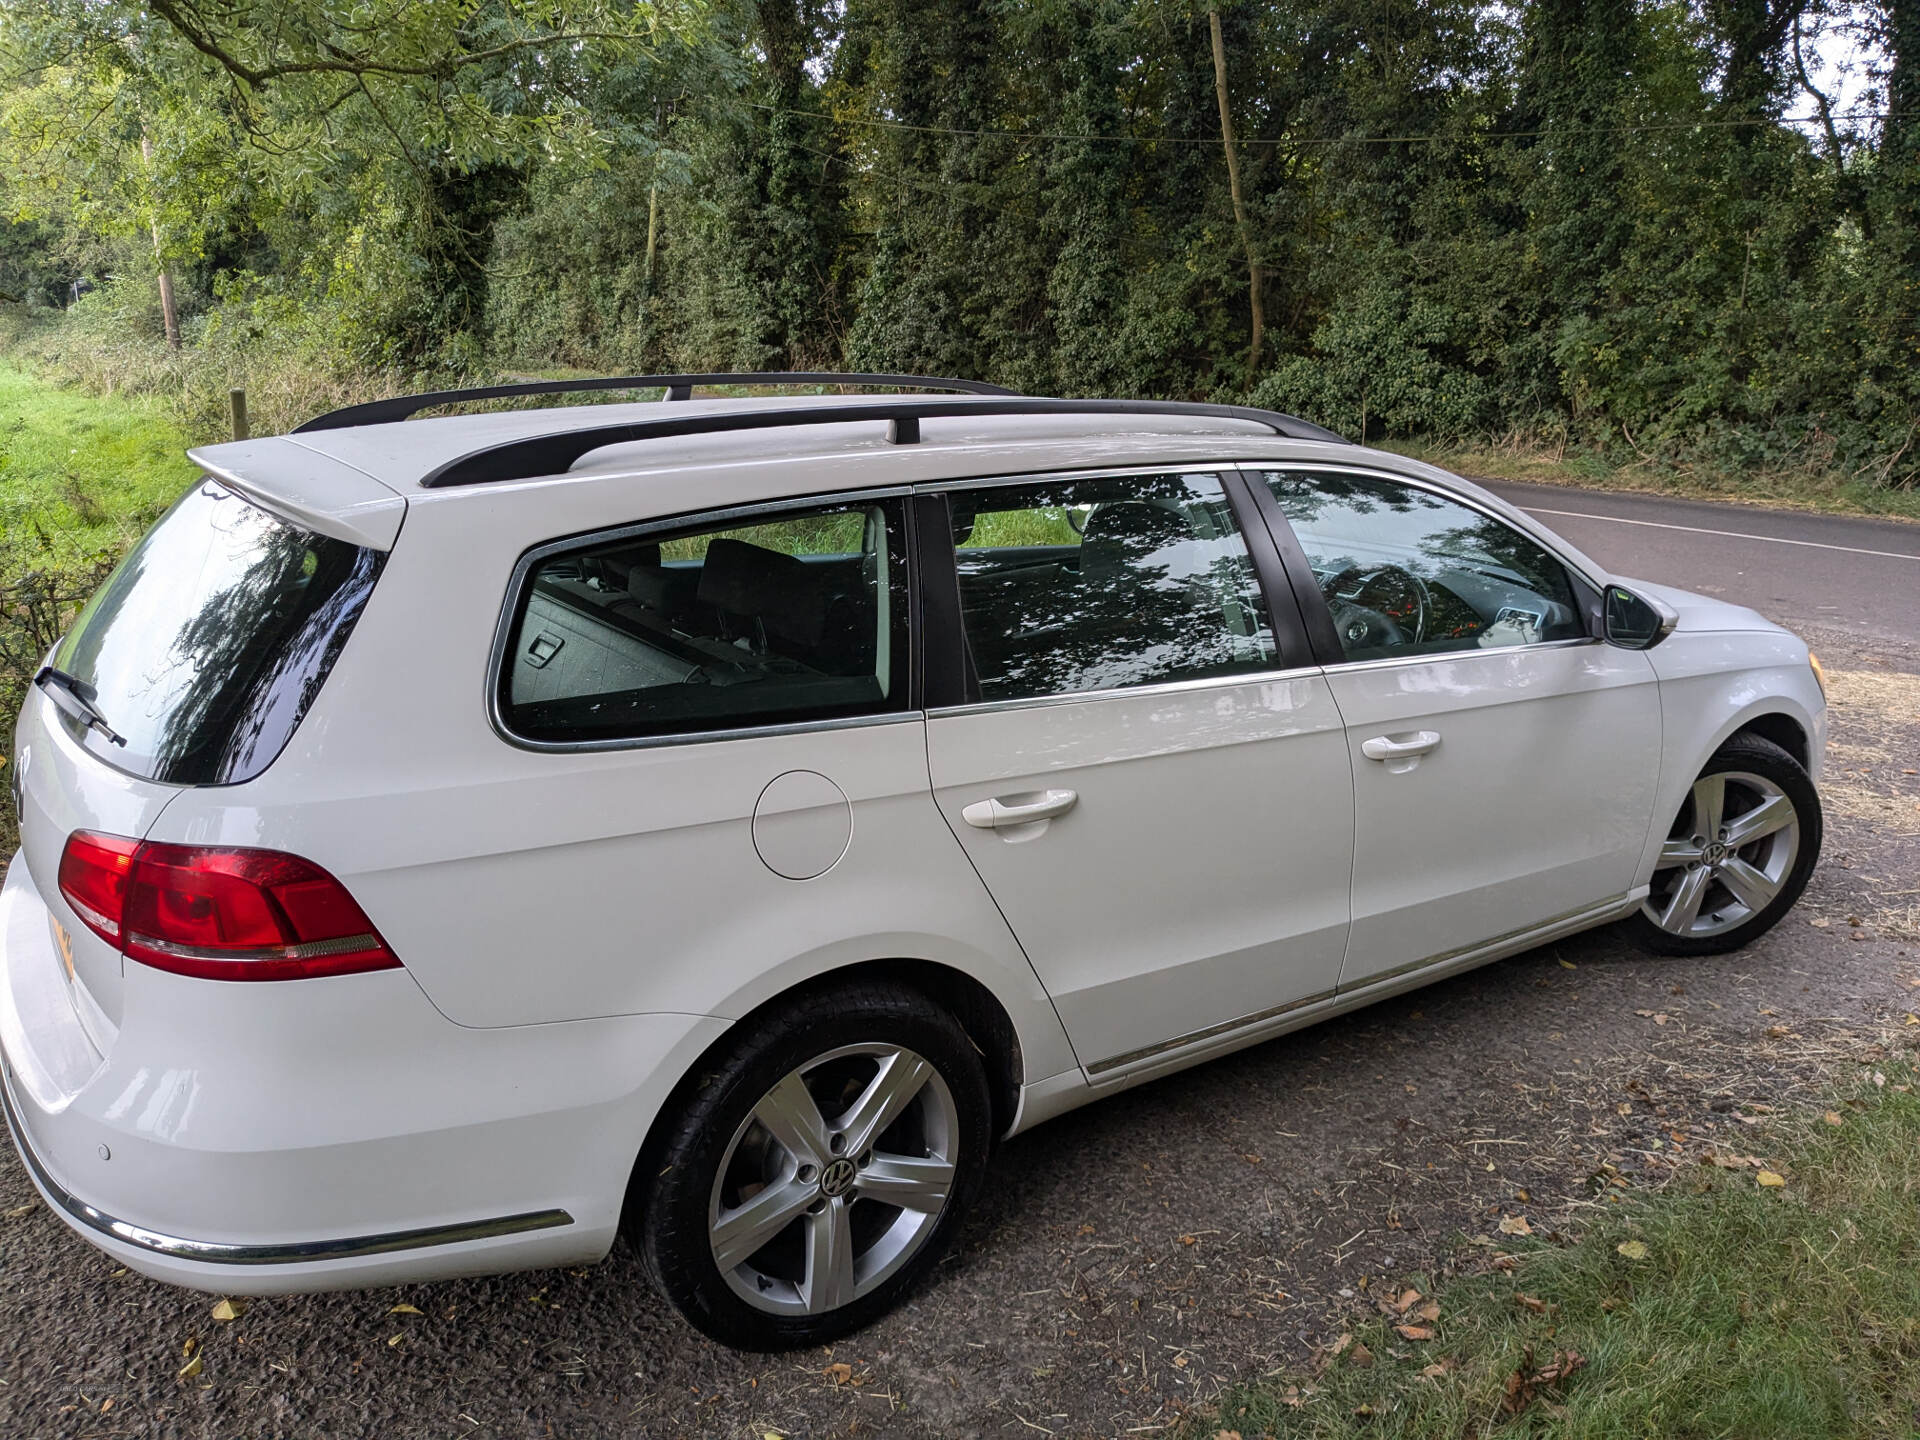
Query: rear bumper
<point>323,1134</point>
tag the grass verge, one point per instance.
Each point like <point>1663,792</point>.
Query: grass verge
<point>1725,1306</point>
<point>1816,490</point>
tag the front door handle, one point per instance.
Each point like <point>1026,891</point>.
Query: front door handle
<point>1407,747</point>
<point>1005,811</point>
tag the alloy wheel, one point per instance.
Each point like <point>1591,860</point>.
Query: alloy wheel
<point>1729,855</point>
<point>834,1180</point>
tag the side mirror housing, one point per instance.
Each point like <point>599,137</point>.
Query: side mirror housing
<point>1635,622</point>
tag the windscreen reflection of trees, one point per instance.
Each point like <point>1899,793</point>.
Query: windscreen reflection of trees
<point>1160,588</point>
<point>258,651</point>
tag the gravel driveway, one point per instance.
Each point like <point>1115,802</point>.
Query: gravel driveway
<point>1127,1260</point>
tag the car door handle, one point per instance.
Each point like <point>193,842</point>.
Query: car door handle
<point>1385,747</point>
<point>1005,811</point>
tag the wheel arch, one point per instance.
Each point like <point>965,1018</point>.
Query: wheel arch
<point>1782,729</point>
<point>980,1012</point>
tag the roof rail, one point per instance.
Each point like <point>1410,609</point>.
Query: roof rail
<point>555,454</point>
<point>678,387</point>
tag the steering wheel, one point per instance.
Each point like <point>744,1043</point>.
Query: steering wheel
<point>1375,607</point>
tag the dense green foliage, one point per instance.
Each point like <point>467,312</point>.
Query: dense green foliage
<point>1593,222</point>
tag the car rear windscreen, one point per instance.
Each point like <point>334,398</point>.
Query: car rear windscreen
<point>205,647</point>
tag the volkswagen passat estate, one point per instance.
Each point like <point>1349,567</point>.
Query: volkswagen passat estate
<point>450,844</point>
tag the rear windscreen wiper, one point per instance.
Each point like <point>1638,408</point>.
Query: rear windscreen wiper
<point>75,696</point>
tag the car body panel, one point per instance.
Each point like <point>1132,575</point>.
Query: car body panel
<point>1202,874</point>
<point>1534,805</point>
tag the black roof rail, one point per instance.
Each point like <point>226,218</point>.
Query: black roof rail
<point>555,454</point>
<point>678,387</point>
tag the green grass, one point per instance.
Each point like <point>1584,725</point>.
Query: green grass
<point>1790,1312</point>
<point>87,472</point>
<point>1822,491</point>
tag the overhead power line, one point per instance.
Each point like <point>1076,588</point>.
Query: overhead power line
<point>1435,137</point>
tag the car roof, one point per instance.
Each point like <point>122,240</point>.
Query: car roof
<point>357,482</point>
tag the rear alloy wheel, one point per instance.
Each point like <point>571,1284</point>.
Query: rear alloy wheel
<point>819,1169</point>
<point>1737,855</point>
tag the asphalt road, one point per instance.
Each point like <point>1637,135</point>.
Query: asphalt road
<point>1862,576</point>
<point>1131,1260</point>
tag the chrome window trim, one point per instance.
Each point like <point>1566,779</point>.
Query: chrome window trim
<point>1094,472</point>
<point>1544,538</point>
<point>1393,662</point>
<point>516,585</point>
<point>213,1252</point>
<point>1168,687</point>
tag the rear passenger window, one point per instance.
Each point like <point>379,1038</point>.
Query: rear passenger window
<point>791,617</point>
<point>1101,584</point>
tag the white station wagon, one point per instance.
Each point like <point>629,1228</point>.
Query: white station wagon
<point>450,845</point>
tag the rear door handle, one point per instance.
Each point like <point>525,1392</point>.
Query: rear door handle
<point>1409,747</point>
<point>1006,811</point>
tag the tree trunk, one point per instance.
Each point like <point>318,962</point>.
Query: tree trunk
<point>1233,188</point>
<point>169,316</point>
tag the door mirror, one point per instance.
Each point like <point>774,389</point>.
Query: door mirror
<point>1634,622</point>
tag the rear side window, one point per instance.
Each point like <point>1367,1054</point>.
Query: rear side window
<point>785,618</point>
<point>1100,584</point>
<point>205,647</point>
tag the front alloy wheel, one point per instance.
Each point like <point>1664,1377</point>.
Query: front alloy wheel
<point>816,1168</point>
<point>1738,853</point>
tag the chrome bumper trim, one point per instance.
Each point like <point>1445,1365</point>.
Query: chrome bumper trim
<point>213,1252</point>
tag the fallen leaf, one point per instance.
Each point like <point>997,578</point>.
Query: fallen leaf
<point>1361,1356</point>
<point>403,1310</point>
<point>1777,1032</point>
<point>1413,1332</point>
<point>1833,1118</point>
<point>106,1405</point>
<point>1189,1239</point>
<point>393,1339</point>
<point>1515,1225</point>
<point>840,1373</point>
<point>1625,1107</point>
<point>229,1310</point>
<point>1771,1179</point>
<point>1437,1369</point>
<point>1568,965</point>
<point>1339,1346</point>
<point>1429,1311</point>
<point>1530,1302</point>
<point>191,1369</point>
<point>1363,1412</point>
<point>1820,922</point>
<point>1226,1435</point>
<point>1633,1249</point>
<point>1522,1195</point>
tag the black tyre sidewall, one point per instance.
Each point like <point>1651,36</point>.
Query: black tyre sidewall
<point>1757,757</point>
<point>671,1227</point>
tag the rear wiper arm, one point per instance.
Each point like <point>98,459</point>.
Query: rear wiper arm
<point>75,696</point>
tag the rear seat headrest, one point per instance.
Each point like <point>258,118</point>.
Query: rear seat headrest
<point>783,593</point>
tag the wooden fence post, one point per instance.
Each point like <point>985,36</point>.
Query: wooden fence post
<point>237,408</point>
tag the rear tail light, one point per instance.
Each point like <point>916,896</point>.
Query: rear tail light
<point>218,913</point>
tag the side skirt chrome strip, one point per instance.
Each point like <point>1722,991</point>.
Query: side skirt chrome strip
<point>216,1253</point>
<point>1193,1037</point>
<point>1526,936</point>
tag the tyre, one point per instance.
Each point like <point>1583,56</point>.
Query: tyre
<point>817,1169</point>
<point>1737,855</point>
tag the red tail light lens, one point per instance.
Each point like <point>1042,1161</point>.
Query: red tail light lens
<point>219,913</point>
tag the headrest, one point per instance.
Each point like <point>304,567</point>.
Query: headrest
<point>647,579</point>
<point>783,593</point>
<point>1119,537</point>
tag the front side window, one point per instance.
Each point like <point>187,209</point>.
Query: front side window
<point>1407,572</point>
<point>1080,585</point>
<point>791,617</point>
